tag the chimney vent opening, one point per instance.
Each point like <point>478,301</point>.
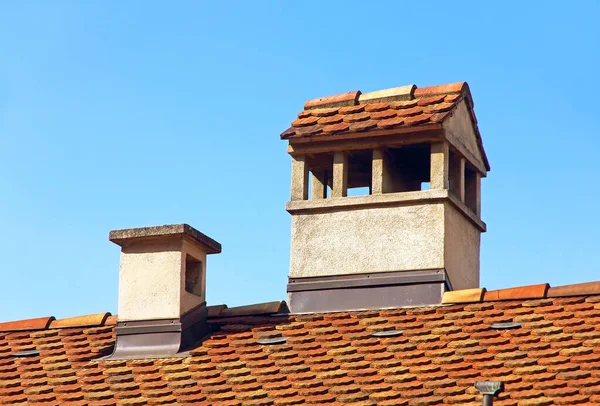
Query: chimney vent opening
<point>193,275</point>
<point>408,168</point>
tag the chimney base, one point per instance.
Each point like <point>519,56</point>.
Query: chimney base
<point>163,338</point>
<point>367,291</point>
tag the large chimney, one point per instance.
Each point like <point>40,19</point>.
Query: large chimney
<point>416,155</point>
<point>162,290</point>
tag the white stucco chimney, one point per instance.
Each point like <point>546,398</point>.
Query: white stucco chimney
<point>162,285</point>
<point>385,198</point>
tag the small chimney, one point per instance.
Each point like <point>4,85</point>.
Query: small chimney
<point>415,157</point>
<point>162,290</point>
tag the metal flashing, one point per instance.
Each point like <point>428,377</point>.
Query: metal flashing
<point>367,279</point>
<point>165,338</point>
<point>387,333</point>
<point>367,291</point>
<point>28,353</point>
<point>505,326</point>
<point>272,341</point>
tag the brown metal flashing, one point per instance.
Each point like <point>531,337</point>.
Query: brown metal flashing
<point>367,291</point>
<point>362,298</point>
<point>276,307</point>
<point>366,280</point>
<point>40,323</point>
<point>81,321</point>
<point>125,236</point>
<point>164,338</point>
<point>215,310</point>
<point>579,289</point>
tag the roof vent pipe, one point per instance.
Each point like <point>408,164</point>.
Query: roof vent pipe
<point>489,389</point>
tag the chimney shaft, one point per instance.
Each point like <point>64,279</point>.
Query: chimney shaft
<point>162,289</point>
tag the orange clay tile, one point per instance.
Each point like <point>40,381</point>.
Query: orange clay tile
<point>81,321</point>
<point>24,325</point>
<point>522,292</point>
<point>442,89</point>
<point>463,296</point>
<point>344,99</point>
<point>590,288</point>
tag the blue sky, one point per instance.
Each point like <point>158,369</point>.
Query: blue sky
<point>118,115</point>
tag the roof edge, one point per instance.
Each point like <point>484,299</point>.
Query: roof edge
<point>539,291</point>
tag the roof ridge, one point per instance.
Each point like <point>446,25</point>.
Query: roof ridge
<point>50,322</point>
<point>539,291</point>
<point>107,319</point>
<point>400,93</point>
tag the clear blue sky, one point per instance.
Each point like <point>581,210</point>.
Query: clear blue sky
<point>117,115</point>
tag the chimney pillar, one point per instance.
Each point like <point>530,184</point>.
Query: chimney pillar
<point>473,191</point>
<point>299,178</point>
<point>457,176</point>
<point>340,174</point>
<point>380,173</point>
<point>319,185</point>
<point>439,166</point>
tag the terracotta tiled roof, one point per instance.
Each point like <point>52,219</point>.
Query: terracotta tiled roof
<point>333,358</point>
<point>406,106</point>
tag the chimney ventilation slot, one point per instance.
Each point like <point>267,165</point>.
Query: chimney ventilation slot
<point>193,276</point>
<point>272,341</point>
<point>505,326</point>
<point>29,353</point>
<point>387,333</point>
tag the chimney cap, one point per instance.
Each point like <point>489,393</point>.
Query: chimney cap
<point>129,235</point>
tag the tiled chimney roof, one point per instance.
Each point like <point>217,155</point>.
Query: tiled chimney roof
<point>372,113</point>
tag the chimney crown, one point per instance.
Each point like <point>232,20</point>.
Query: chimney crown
<point>135,235</point>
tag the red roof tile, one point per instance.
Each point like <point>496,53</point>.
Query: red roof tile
<point>80,321</point>
<point>24,325</point>
<point>328,358</point>
<point>344,99</point>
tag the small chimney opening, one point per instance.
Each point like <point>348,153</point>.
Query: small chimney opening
<point>471,189</point>
<point>360,172</point>
<point>408,168</point>
<point>193,275</point>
